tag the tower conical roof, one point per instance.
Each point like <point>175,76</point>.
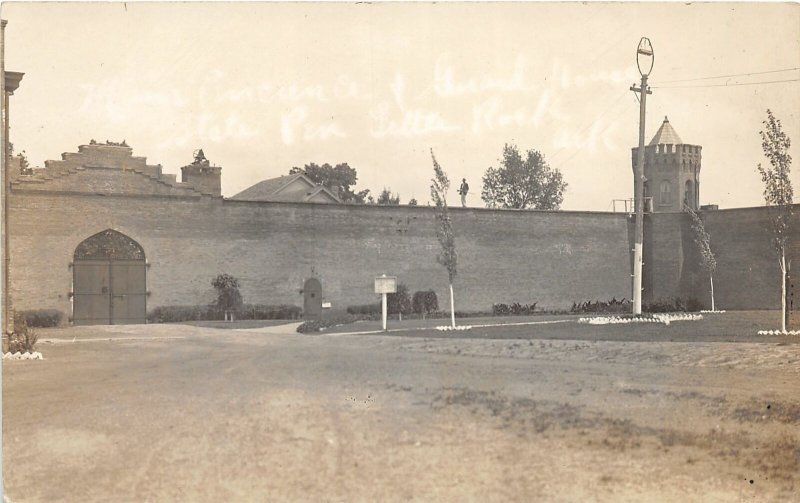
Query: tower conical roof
<point>666,135</point>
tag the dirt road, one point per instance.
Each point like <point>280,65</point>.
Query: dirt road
<point>178,413</point>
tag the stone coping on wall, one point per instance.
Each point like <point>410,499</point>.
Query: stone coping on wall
<point>391,207</point>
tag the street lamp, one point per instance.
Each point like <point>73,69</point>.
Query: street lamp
<point>644,62</point>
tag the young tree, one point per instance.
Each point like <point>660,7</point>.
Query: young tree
<point>386,198</point>
<point>412,202</point>
<point>339,179</point>
<point>703,241</point>
<point>229,299</point>
<point>448,257</point>
<point>523,183</point>
<point>778,194</point>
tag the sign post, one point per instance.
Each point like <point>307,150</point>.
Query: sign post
<point>385,285</point>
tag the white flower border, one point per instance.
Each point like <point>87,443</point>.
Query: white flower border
<point>23,356</point>
<point>708,311</point>
<point>779,332</point>
<point>656,318</point>
<point>445,328</point>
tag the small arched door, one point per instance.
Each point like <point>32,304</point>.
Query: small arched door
<point>312,298</point>
<point>109,283</point>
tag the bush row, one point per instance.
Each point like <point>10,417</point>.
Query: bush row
<point>171,314</point>
<point>365,309</point>
<point>422,303</point>
<point>672,305</point>
<point>39,317</point>
<point>514,309</point>
<point>599,306</point>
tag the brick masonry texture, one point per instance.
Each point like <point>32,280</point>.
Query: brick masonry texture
<point>553,258</point>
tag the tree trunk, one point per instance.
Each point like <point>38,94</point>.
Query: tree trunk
<point>711,280</point>
<point>452,307</point>
<point>783,289</point>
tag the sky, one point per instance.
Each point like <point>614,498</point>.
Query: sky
<point>263,87</point>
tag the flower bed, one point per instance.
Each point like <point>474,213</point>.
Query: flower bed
<point>23,356</point>
<point>445,328</point>
<point>779,332</point>
<point>656,318</point>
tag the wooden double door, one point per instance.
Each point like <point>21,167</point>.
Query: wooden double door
<point>109,281</point>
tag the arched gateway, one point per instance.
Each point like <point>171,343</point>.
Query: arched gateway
<point>109,286</point>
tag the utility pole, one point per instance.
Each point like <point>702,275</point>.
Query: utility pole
<point>4,176</point>
<point>644,56</point>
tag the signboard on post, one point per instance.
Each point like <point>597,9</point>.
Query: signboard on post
<point>384,285</point>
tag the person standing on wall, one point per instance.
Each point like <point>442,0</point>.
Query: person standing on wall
<point>463,190</point>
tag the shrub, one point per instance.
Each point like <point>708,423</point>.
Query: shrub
<point>514,309</point>
<point>23,339</point>
<point>425,302</point>
<point>42,318</point>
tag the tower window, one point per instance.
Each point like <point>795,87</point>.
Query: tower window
<point>666,195</point>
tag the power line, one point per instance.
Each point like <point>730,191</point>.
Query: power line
<point>580,148</point>
<point>727,85</point>
<point>732,75</point>
<point>591,124</point>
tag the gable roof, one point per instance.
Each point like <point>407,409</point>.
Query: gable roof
<point>279,190</point>
<point>666,135</point>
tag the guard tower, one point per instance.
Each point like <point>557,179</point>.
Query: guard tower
<point>671,171</point>
<point>202,176</point>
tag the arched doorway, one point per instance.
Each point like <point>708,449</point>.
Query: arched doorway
<point>109,281</point>
<point>312,298</point>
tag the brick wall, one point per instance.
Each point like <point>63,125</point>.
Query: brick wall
<point>747,276</point>
<point>553,258</point>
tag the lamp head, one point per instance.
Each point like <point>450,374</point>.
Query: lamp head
<point>644,57</point>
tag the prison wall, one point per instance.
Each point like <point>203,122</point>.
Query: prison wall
<point>552,258</point>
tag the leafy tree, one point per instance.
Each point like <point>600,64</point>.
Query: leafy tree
<point>229,299</point>
<point>523,183</point>
<point>386,198</point>
<point>399,303</point>
<point>412,202</point>
<point>24,166</point>
<point>340,179</point>
<point>448,257</point>
<point>703,241</point>
<point>778,194</point>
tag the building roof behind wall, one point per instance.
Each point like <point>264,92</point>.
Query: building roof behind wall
<point>288,188</point>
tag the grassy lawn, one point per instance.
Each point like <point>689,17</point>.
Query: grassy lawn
<point>732,326</point>
<point>239,324</point>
